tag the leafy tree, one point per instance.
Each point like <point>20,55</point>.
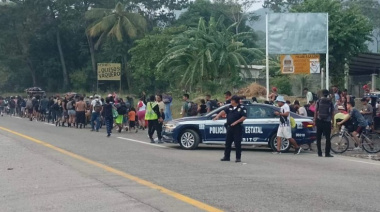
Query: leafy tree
<point>145,73</point>
<point>283,84</point>
<point>20,22</point>
<point>280,5</point>
<point>209,52</point>
<point>120,25</point>
<point>160,13</point>
<point>370,9</point>
<point>231,10</point>
<point>348,32</point>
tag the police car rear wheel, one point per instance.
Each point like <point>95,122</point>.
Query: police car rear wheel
<point>189,139</point>
<point>285,144</point>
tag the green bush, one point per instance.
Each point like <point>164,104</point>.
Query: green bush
<point>79,80</point>
<point>283,84</point>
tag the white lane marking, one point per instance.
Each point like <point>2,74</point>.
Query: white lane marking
<point>16,117</point>
<point>141,142</point>
<point>359,161</point>
<point>49,124</point>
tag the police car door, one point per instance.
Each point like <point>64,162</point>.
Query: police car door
<point>259,125</point>
<point>213,131</point>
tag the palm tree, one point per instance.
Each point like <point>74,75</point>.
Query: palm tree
<point>116,24</point>
<point>209,52</point>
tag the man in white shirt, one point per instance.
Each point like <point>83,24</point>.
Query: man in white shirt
<point>309,95</point>
<point>96,108</point>
<point>285,130</point>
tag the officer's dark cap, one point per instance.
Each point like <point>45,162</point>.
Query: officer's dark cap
<point>235,98</point>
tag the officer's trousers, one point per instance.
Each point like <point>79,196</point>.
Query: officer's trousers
<point>154,125</point>
<point>234,134</point>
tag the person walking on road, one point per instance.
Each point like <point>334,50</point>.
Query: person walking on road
<point>323,120</point>
<point>80,108</point>
<point>236,115</point>
<point>108,116</point>
<point>96,108</point>
<point>141,108</point>
<point>153,116</point>
<point>285,130</point>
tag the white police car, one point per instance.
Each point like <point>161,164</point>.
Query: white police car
<point>260,128</point>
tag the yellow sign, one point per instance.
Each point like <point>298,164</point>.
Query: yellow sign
<point>300,64</point>
<point>109,71</point>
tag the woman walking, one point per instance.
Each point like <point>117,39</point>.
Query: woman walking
<point>141,108</point>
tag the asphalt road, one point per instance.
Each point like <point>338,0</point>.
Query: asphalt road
<point>63,169</point>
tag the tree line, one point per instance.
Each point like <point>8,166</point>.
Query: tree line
<point>162,45</point>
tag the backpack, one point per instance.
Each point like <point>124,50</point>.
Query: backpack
<point>213,105</point>
<point>315,96</point>
<point>115,113</point>
<point>167,99</point>
<point>98,106</point>
<point>324,108</point>
<point>122,110</point>
<point>12,103</point>
<point>292,122</point>
<point>69,106</point>
<point>29,104</point>
<point>23,103</point>
<point>55,106</point>
<point>193,109</point>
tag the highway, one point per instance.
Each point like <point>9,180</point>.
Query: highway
<point>48,168</point>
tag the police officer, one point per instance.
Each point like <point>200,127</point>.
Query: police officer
<point>236,114</point>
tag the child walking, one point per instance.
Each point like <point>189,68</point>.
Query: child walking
<point>132,120</point>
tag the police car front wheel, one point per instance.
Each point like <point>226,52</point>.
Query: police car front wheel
<point>189,139</point>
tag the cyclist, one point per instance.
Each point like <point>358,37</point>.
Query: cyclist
<point>357,120</point>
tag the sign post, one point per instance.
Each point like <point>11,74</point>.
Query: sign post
<point>109,72</point>
<point>267,56</point>
<point>327,55</point>
<point>300,64</point>
<point>297,33</point>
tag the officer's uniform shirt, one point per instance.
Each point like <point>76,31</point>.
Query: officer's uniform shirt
<point>234,114</point>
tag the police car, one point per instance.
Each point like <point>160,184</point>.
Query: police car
<point>260,128</point>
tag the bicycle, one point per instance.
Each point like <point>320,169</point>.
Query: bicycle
<point>340,141</point>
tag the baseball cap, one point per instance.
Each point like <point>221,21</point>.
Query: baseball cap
<point>280,99</point>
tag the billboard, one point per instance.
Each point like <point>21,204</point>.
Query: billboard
<point>300,64</point>
<point>297,33</point>
<point>109,71</point>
